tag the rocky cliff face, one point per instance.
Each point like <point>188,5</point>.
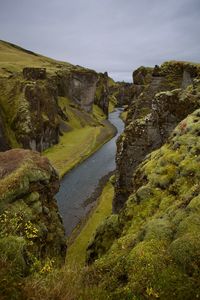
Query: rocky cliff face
<point>163,96</point>
<point>31,231</point>
<point>79,85</point>
<point>150,250</point>
<point>102,92</point>
<point>123,92</point>
<point>29,97</point>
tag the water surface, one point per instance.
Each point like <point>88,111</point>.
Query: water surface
<point>79,183</point>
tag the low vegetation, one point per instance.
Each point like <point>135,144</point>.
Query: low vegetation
<point>76,254</point>
<point>85,133</point>
<point>151,249</point>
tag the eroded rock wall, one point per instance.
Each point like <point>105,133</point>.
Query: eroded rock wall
<point>102,92</point>
<point>29,102</point>
<point>123,92</point>
<point>150,250</point>
<point>163,96</point>
<point>79,85</point>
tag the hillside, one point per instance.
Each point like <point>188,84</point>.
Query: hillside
<point>14,58</point>
<point>148,247</point>
<point>163,96</point>
<point>151,249</point>
<point>44,102</point>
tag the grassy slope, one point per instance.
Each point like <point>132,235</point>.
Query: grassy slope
<point>157,253</point>
<point>85,133</point>
<point>77,251</point>
<point>14,59</point>
<point>123,115</point>
<point>77,145</point>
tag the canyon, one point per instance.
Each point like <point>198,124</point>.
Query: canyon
<point>147,247</point>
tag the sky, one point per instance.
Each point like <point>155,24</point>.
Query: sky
<point>116,36</point>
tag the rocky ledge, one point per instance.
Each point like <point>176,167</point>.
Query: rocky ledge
<point>31,230</point>
<point>162,97</point>
<point>150,250</point>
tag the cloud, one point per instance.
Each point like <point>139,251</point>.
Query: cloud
<point>108,35</point>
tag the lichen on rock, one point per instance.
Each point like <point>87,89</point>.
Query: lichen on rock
<point>31,230</point>
<point>155,253</point>
<point>161,100</point>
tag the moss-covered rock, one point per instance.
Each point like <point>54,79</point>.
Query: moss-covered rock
<point>31,230</point>
<point>156,253</point>
<point>162,98</point>
<point>31,86</point>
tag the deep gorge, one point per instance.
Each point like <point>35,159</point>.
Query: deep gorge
<point>147,245</point>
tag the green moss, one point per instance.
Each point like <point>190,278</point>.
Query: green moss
<point>186,253</point>
<point>123,115</point>
<point>14,59</point>
<point>159,237</point>
<point>160,229</point>
<point>76,253</point>
<point>98,113</point>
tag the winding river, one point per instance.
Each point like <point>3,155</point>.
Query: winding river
<point>79,184</point>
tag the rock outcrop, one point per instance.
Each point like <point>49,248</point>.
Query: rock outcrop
<point>163,96</point>
<point>31,231</point>
<point>4,145</point>
<point>34,73</point>
<point>150,250</point>
<point>123,92</point>
<point>102,92</point>
<point>29,98</point>
<point>78,84</point>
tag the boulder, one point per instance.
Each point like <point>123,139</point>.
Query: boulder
<point>30,224</point>
<point>30,73</point>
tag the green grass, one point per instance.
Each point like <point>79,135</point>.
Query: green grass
<point>111,107</point>
<point>14,59</point>
<point>98,113</point>
<point>73,147</point>
<point>123,115</point>
<point>76,253</point>
<point>87,133</point>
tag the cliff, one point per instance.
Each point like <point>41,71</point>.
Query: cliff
<point>31,90</point>
<point>123,92</point>
<point>102,92</point>
<point>162,97</point>
<point>31,231</point>
<point>150,250</point>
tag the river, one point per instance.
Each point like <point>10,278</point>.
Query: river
<point>79,183</point>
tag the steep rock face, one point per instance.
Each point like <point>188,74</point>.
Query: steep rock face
<point>160,102</point>
<point>4,145</point>
<point>102,92</point>
<point>151,249</point>
<point>30,104</point>
<point>31,86</point>
<point>123,92</point>
<point>31,112</point>
<point>31,230</point>
<point>78,85</point>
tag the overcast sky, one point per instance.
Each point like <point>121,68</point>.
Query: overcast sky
<point>106,35</point>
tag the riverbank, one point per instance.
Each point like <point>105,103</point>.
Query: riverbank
<point>76,253</point>
<point>79,184</point>
<point>77,145</point>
